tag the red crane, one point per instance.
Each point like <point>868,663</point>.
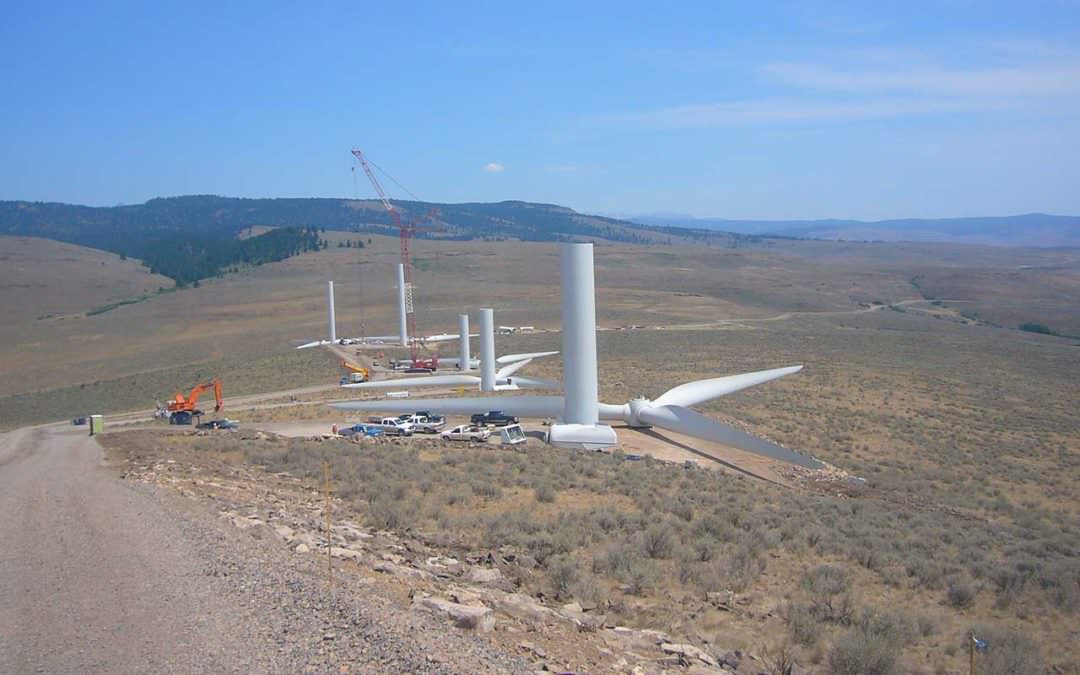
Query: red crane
<point>406,229</point>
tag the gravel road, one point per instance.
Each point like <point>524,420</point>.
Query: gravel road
<point>100,575</point>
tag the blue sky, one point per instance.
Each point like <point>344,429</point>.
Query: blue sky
<point>799,110</point>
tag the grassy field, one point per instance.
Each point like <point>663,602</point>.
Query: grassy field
<point>44,281</point>
<point>52,351</point>
<point>965,431</point>
<point>965,434</point>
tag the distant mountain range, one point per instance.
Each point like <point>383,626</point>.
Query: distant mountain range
<point>1032,229</point>
<point>199,214</point>
<point>194,237</point>
<point>112,227</point>
<point>177,235</point>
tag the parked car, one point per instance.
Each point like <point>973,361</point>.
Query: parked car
<point>392,426</point>
<point>495,418</point>
<point>79,421</point>
<point>217,424</point>
<point>466,432</point>
<point>424,422</point>
<point>361,429</point>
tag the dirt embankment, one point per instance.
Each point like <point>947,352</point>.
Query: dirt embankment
<point>474,595</point>
<point>110,575</point>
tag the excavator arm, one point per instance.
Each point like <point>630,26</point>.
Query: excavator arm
<point>188,403</point>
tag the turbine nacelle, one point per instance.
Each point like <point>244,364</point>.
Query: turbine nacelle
<point>632,410</point>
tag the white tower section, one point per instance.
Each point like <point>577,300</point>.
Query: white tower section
<point>403,329</point>
<point>463,331</point>
<point>579,334</point>
<point>333,319</point>
<point>487,350</point>
<point>581,414</point>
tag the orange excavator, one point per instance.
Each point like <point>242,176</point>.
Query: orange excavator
<point>180,409</point>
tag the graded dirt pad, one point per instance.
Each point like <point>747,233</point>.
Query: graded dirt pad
<point>101,575</point>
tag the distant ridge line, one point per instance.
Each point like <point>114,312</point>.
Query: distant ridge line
<point>1029,229</point>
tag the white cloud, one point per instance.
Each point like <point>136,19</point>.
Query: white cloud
<point>766,111</point>
<point>837,85</point>
<point>494,167</point>
<point>1019,80</point>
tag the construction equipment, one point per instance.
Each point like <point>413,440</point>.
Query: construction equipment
<point>181,409</point>
<point>407,230</point>
<point>363,372</point>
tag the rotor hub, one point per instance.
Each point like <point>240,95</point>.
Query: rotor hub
<point>634,407</point>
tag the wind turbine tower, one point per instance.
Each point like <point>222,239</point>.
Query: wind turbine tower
<point>463,332</point>
<point>404,302</point>
<point>580,426</point>
<point>333,319</point>
<point>487,349</point>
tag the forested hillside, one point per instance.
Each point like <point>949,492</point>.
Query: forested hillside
<point>188,259</point>
<point>189,238</point>
<point>228,215</point>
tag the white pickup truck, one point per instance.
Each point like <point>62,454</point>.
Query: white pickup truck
<point>467,432</point>
<point>424,422</point>
<point>392,426</point>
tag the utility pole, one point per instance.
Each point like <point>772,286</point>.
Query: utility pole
<point>329,542</point>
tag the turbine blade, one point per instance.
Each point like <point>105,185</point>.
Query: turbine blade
<point>522,406</point>
<point>315,343</point>
<point>430,381</point>
<point>686,421</point>
<point>507,371</point>
<point>700,391</point>
<point>511,358</point>
<point>535,383</point>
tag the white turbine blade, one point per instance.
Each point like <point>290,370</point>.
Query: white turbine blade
<point>507,371</point>
<point>456,361</point>
<point>535,383</point>
<point>441,337</point>
<point>428,381</point>
<point>512,358</point>
<point>315,343</point>
<point>686,421</point>
<point>522,406</point>
<point>700,391</point>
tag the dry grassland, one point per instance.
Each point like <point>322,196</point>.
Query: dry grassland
<point>966,434</point>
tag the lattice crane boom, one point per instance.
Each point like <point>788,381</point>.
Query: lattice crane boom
<point>406,230</point>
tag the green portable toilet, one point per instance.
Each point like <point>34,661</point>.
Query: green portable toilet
<point>97,424</point>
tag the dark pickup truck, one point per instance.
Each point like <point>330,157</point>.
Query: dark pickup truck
<point>495,418</point>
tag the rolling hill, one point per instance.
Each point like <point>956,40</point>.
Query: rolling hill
<point>194,237</point>
<point>1032,229</point>
<point>50,280</point>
